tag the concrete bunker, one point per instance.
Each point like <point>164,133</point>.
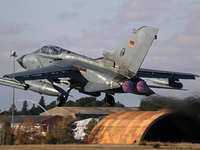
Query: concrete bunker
<point>138,126</point>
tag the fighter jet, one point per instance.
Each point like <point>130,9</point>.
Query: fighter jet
<point>52,67</point>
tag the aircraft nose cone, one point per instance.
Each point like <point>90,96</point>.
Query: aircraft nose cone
<point>20,61</point>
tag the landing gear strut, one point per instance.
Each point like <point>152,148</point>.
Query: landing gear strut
<point>109,100</point>
<point>61,99</point>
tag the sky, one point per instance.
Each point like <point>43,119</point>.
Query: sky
<point>90,27</point>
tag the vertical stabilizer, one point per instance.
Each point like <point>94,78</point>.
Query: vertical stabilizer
<point>129,57</point>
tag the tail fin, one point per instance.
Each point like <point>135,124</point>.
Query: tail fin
<point>129,57</point>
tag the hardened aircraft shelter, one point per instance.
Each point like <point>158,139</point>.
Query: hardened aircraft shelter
<point>134,127</point>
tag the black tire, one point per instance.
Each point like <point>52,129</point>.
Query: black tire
<point>60,101</point>
<point>109,100</point>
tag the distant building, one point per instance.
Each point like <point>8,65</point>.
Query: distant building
<point>43,122</point>
<point>86,112</point>
<point>46,122</point>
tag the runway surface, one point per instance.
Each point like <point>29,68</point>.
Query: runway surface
<point>144,146</point>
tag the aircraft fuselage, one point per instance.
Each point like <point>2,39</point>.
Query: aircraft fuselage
<point>102,71</point>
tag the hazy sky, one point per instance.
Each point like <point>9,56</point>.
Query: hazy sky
<point>90,27</point>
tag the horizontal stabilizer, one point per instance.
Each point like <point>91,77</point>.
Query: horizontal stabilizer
<point>150,73</point>
<point>164,87</point>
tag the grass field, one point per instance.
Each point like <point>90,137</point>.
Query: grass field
<point>144,146</point>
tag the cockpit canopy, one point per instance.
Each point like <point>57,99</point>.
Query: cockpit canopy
<point>50,49</point>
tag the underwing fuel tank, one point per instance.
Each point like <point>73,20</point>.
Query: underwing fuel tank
<point>45,88</point>
<point>175,83</point>
<point>137,87</point>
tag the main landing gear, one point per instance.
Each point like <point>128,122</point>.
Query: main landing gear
<point>61,99</point>
<point>109,100</point>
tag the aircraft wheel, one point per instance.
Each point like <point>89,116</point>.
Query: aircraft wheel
<point>60,101</point>
<point>109,99</point>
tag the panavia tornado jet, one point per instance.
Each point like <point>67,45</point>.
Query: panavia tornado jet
<point>119,72</point>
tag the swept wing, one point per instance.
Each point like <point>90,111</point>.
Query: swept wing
<point>49,72</point>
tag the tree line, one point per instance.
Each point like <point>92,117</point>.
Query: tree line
<point>187,106</point>
<point>36,110</point>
